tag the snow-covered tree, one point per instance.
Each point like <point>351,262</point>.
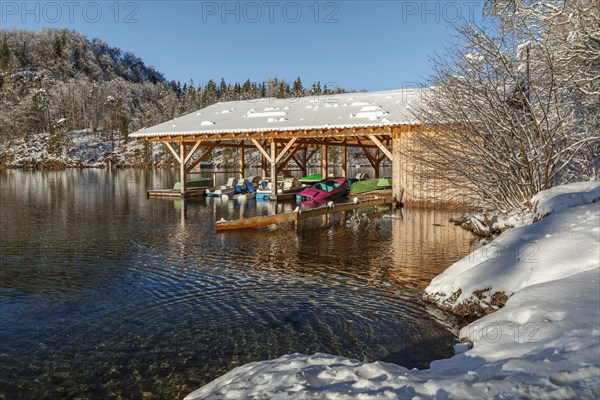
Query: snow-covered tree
<point>515,104</point>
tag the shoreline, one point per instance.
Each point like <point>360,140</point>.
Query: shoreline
<point>87,149</point>
<point>540,339</point>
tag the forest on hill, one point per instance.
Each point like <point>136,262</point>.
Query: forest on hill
<point>57,81</point>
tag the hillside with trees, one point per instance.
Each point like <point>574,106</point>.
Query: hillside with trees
<point>57,82</point>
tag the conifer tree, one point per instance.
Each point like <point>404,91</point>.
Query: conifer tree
<point>298,89</point>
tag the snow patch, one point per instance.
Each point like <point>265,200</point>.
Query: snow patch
<point>565,196</point>
<point>370,108</point>
<point>370,115</point>
<point>266,114</point>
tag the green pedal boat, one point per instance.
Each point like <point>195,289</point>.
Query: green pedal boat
<point>369,185</point>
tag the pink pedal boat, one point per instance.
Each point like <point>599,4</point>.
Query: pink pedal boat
<point>328,189</point>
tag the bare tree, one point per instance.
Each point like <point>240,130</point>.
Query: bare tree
<point>509,114</point>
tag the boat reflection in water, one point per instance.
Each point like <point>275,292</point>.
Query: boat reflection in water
<point>104,293</point>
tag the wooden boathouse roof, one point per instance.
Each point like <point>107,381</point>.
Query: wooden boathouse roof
<point>314,116</point>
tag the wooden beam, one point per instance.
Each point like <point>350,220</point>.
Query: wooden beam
<point>170,147</point>
<point>377,162</point>
<point>350,142</point>
<point>302,161</point>
<point>241,162</point>
<point>372,162</point>
<point>262,150</point>
<point>192,151</point>
<point>256,222</point>
<point>397,172</point>
<point>285,149</point>
<point>297,161</point>
<point>273,170</point>
<point>295,216</point>
<point>324,161</point>
<point>312,153</point>
<point>370,157</point>
<point>205,154</point>
<point>300,133</point>
<point>182,171</point>
<point>344,161</point>
<point>287,159</point>
<point>384,149</point>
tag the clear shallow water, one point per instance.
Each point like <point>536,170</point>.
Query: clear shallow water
<point>106,294</point>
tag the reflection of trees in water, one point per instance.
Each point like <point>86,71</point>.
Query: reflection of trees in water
<point>62,222</point>
<point>68,230</point>
<point>122,287</point>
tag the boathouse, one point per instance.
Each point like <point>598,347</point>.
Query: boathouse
<point>297,129</point>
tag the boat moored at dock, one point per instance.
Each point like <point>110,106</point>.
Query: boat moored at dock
<point>369,185</point>
<point>331,188</point>
<point>194,183</point>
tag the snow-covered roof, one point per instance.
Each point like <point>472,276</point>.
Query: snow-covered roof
<point>341,111</point>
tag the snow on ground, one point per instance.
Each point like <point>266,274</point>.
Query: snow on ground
<point>536,253</point>
<point>544,343</point>
<point>565,196</point>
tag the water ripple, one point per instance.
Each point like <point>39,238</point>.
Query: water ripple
<point>112,295</point>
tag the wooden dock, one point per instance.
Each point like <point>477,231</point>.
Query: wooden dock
<point>297,215</point>
<point>175,193</point>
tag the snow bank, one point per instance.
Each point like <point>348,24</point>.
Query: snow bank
<point>562,197</point>
<point>541,252</point>
<point>544,343</point>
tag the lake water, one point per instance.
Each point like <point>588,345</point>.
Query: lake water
<point>107,294</point>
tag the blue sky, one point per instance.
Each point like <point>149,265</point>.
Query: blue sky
<point>373,45</point>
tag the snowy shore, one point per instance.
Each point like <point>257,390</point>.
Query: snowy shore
<point>78,149</point>
<point>543,343</point>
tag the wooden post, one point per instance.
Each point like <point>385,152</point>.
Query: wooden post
<point>396,170</point>
<point>377,164</point>
<point>324,161</point>
<point>304,162</point>
<point>263,165</point>
<point>182,171</point>
<point>273,169</point>
<point>344,161</point>
<point>241,161</point>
